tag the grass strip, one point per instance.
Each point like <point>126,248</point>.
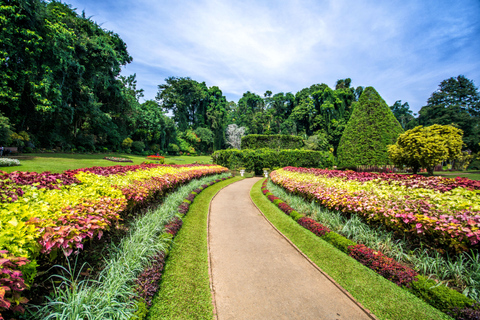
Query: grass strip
<point>382,297</point>
<point>185,288</point>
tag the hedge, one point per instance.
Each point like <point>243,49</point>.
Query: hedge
<point>274,141</point>
<point>256,160</point>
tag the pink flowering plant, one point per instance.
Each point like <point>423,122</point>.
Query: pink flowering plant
<point>442,212</point>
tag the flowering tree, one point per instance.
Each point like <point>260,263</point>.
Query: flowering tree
<point>234,135</point>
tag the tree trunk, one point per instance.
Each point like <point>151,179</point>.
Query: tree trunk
<point>430,171</point>
<point>415,169</point>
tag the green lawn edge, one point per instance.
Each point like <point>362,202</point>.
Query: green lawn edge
<point>383,298</point>
<point>185,287</point>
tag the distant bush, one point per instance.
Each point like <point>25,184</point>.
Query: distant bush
<point>138,146</point>
<point>127,143</point>
<point>256,160</point>
<point>7,162</point>
<point>274,141</point>
<point>173,148</point>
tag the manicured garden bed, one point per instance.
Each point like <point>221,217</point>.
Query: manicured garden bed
<point>54,214</point>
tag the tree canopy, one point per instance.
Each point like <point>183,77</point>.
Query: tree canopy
<point>426,147</point>
<point>456,102</point>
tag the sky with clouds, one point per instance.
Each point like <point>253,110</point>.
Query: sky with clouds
<point>402,48</point>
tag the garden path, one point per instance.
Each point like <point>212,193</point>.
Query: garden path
<point>257,274</point>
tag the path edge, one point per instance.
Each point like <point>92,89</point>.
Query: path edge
<point>210,275</point>
<point>365,310</point>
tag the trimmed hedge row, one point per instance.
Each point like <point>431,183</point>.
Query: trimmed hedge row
<point>443,298</point>
<point>274,141</point>
<point>256,160</point>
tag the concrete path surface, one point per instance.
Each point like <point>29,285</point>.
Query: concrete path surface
<point>257,274</point>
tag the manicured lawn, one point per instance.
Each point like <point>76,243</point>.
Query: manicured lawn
<point>382,297</point>
<point>185,288</point>
<point>59,162</point>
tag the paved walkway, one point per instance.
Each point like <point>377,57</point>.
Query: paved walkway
<point>257,274</point>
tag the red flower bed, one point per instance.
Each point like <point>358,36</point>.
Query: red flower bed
<point>173,226</point>
<point>383,265</point>
<point>149,280</point>
<point>155,157</point>
<point>314,226</point>
<point>285,208</point>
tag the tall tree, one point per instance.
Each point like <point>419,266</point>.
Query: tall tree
<point>457,102</point>
<point>403,113</point>
<point>426,147</point>
<point>186,98</point>
<point>371,128</point>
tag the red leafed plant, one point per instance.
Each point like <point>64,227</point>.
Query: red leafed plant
<point>11,283</point>
<point>314,226</point>
<point>285,207</point>
<point>383,265</point>
<point>85,220</point>
<point>173,226</point>
<point>272,198</point>
<point>183,208</point>
<point>148,281</point>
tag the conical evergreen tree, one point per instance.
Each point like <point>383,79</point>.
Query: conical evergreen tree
<point>371,128</point>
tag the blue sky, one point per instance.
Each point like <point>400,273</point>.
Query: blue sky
<point>402,48</point>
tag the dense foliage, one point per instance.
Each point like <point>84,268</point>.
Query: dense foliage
<point>426,147</point>
<point>371,128</point>
<point>274,141</point>
<point>435,294</point>
<point>256,160</point>
<point>50,213</point>
<point>457,102</point>
<point>440,212</point>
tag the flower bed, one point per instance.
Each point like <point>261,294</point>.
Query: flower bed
<point>155,157</point>
<point>115,159</point>
<point>7,162</point>
<point>148,282</point>
<point>441,297</point>
<point>441,212</point>
<point>46,213</point>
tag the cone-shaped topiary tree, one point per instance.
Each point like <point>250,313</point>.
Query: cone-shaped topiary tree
<point>371,128</point>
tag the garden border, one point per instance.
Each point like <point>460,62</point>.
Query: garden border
<point>368,312</point>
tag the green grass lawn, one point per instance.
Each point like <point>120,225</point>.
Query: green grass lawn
<point>59,162</point>
<point>383,298</point>
<point>185,287</point>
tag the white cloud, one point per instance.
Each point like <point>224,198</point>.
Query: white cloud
<point>403,49</point>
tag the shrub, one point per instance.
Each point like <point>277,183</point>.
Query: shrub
<point>173,226</point>
<point>148,281</point>
<point>285,208</point>
<point>127,143</point>
<point>338,241</point>
<point>439,296</point>
<point>296,216</point>
<point>256,160</point>
<point>471,313</point>
<point>173,148</point>
<point>383,265</point>
<point>371,128</point>
<point>7,162</point>
<point>138,146</point>
<point>313,226</point>
<point>274,141</point>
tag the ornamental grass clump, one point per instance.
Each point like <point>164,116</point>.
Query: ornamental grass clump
<point>110,295</point>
